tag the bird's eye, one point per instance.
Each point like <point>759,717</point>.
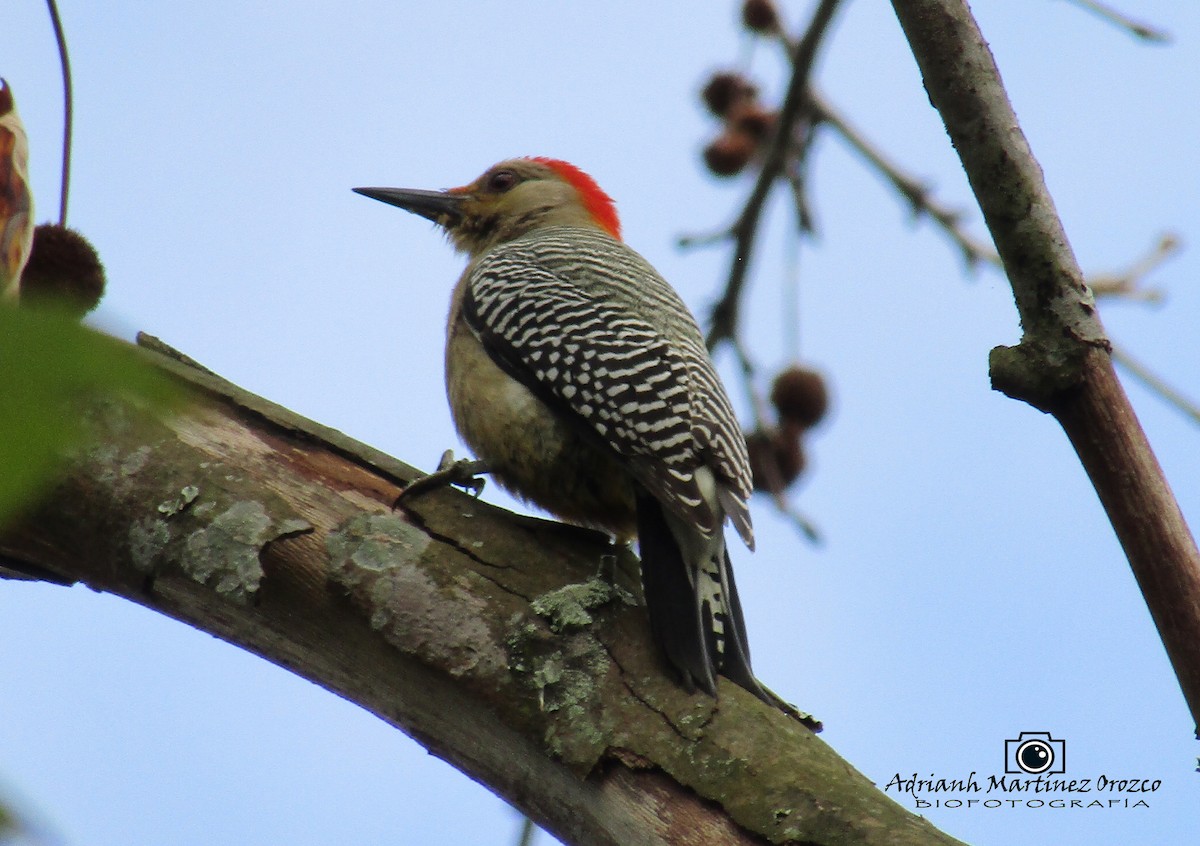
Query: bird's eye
<point>501,181</point>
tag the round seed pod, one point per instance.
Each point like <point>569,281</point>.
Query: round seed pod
<point>800,396</point>
<point>63,271</point>
<point>776,457</point>
<point>729,153</point>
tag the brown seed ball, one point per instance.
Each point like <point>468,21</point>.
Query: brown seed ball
<point>760,16</point>
<point>753,120</point>
<point>800,396</point>
<point>724,90</point>
<point>729,153</point>
<point>63,271</point>
<point>776,457</point>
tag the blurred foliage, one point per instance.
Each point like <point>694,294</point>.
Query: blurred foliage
<point>49,364</point>
<point>11,830</point>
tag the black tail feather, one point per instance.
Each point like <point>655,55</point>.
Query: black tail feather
<point>675,615</point>
<point>682,622</point>
<point>736,662</point>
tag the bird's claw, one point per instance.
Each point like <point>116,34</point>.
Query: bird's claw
<point>465,473</point>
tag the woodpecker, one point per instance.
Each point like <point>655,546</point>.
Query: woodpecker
<point>578,377</point>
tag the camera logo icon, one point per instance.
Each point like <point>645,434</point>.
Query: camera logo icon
<point>1035,753</point>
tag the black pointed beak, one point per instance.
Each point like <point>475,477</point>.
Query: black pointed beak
<point>442,207</point>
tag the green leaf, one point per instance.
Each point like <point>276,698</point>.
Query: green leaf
<point>49,364</point>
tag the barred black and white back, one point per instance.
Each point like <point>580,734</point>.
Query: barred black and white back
<point>596,325</point>
<point>592,329</point>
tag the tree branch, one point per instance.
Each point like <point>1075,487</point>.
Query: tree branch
<point>723,323</point>
<point>483,635</point>
<point>1062,363</point>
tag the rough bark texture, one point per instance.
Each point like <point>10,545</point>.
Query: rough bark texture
<point>1062,364</point>
<point>483,635</point>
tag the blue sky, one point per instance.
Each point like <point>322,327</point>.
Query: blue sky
<point>970,587</point>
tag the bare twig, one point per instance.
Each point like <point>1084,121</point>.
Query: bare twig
<point>806,526</point>
<point>725,313</point>
<point>796,173</point>
<point>704,239</point>
<point>528,830</point>
<point>758,405</point>
<point>774,485</point>
<point>1122,21</point>
<point>917,194</point>
<point>68,109</point>
<point>1155,383</point>
<point>797,181</point>
<point>1128,282</point>
<point>1125,283</point>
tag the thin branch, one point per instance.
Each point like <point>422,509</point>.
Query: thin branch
<point>704,239</point>
<point>1128,283</point>
<point>1123,21</point>
<point>806,526</point>
<point>796,173</point>
<point>725,313</point>
<point>918,195</point>
<point>68,109</point>
<point>1155,383</point>
<point>528,830</point>
<point>758,405</point>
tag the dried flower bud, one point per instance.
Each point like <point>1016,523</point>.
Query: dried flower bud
<point>725,90</point>
<point>729,153</point>
<point>760,16</point>
<point>800,396</point>
<point>752,119</point>
<point>63,271</point>
<point>776,458</point>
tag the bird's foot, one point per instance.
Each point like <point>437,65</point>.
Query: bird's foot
<point>465,473</point>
